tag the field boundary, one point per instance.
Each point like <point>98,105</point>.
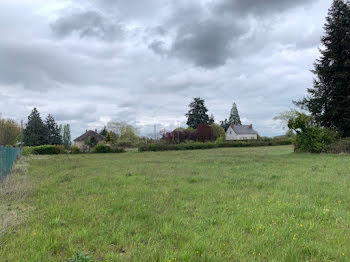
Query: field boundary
<point>211,145</point>
<point>8,157</point>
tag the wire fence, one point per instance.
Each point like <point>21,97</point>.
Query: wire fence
<point>8,156</point>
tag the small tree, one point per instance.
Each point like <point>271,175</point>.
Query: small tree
<point>211,120</point>
<point>197,114</point>
<point>204,133</point>
<point>91,142</point>
<point>218,131</point>
<point>111,138</point>
<point>225,124</point>
<point>124,132</point>
<point>310,137</point>
<point>10,132</point>
<point>104,131</point>
<point>66,137</point>
<point>53,132</point>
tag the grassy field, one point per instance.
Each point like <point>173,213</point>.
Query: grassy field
<point>234,204</point>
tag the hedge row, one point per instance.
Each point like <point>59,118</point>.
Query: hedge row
<point>209,145</point>
<point>342,146</point>
<point>44,150</point>
<point>105,148</point>
<point>56,150</point>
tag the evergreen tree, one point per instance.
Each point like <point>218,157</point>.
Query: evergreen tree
<point>53,132</point>
<point>211,120</point>
<point>225,124</point>
<point>104,131</point>
<point>234,116</point>
<point>66,137</point>
<point>329,99</point>
<point>197,114</point>
<point>35,133</point>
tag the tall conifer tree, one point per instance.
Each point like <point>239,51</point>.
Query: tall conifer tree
<point>53,132</point>
<point>234,116</point>
<point>329,99</point>
<point>197,114</point>
<point>35,133</point>
<point>66,136</point>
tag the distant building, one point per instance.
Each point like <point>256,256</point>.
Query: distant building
<point>81,140</point>
<point>241,132</point>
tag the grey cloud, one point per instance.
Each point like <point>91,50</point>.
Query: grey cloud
<point>88,24</point>
<point>158,47</point>
<point>44,65</point>
<point>34,66</point>
<point>207,44</point>
<point>208,38</point>
<point>257,7</point>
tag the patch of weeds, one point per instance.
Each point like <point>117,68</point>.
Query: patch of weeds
<point>58,222</point>
<point>192,180</point>
<point>65,179</point>
<point>81,257</point>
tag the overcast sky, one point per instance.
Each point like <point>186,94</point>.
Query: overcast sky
<point>89,62</point>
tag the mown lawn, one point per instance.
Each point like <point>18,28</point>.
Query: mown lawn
<point>234,204</point>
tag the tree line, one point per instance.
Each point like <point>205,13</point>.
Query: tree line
<point>38,132</point>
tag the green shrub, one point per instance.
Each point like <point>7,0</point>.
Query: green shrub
<point>102,149</point>
<point>315,140</point>
<point>118,150</point>
<point>310,137</point>
<point>220,140</point>
<point>27,151</point>
<point>218,131</point>
<point>341,146</point>
<point>75,150</point>
<point>106,148</point>
<point>125,144</point>
<point>47,150</point>
<point>62,149</point>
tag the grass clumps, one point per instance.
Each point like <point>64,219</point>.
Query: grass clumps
<point>225,204</point>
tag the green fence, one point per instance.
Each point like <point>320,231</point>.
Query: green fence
<point>8,156</point>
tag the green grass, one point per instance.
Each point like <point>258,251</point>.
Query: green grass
<point>234,204</point>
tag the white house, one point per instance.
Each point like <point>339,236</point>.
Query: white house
<point>241,132</point>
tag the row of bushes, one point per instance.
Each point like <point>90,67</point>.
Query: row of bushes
<point>57,150</point>
<point>203,133</point>
<point>342,146</point>
<point>209,145</point>
<point>44,150</point>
